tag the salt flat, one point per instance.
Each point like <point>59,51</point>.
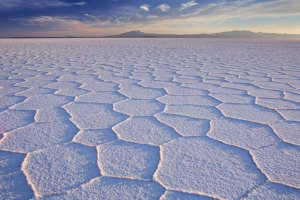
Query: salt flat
<point>149,119</point>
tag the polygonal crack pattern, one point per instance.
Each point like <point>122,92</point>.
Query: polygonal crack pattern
<point>60,168</point>
<point>142,119</point>
<point>213,163</point>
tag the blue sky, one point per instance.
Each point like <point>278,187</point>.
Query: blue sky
<point>108,17</point>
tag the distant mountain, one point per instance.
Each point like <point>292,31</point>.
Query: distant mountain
<point>229,34</point>
<point>141,34</point>
<point>133,34</point>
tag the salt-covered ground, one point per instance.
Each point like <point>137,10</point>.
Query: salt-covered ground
<point>149,119</point>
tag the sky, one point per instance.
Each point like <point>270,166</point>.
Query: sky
<point>59,18</point>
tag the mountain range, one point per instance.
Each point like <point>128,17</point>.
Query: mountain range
<point>229,34</point>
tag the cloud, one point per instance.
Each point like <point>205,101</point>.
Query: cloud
<point>80,3</point>
<point>187,5</point>
<point>57,22</point>
<point>62,23</point>
<point>33,4</point>
<point>164,7</point>
<point>91,16</point>
<point>145,7</point>
<point>201,15</point>
<point>138,16</point>
<point>63,26</point>
<point>245,9</point>
<point>230,13</point>
<point>152,17</point>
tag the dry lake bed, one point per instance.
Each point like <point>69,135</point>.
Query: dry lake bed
<point>149,119</point>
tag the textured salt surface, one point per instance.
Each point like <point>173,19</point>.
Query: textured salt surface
<point>149,119</point>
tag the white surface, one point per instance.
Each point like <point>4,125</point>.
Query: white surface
<point>280,163</point>
<point>60,168</point>
<point>149,119</point>
<point>145,130</point>
<point>274,191</point>
<point>204,166</point>
<point>139,107</point>
<point>242,134</point>
<point>114,188</point>
<point>128,160</point>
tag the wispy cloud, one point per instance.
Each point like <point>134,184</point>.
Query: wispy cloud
<point>187,5</point>
<point>145,7</point>
<point>49,21</point>
<point>62,23</point>
<point>223,11</point>
<point>80,3</point>
<point>138,16</point>
<point>91,16</point>
<point>227,10</point>
<point>245,9</point>
<point>200,15</point>
<point>163,7</point>
<point>33,4</point>
<point>241,9</point>
<point>152,17</point>
<point>64,26</point>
